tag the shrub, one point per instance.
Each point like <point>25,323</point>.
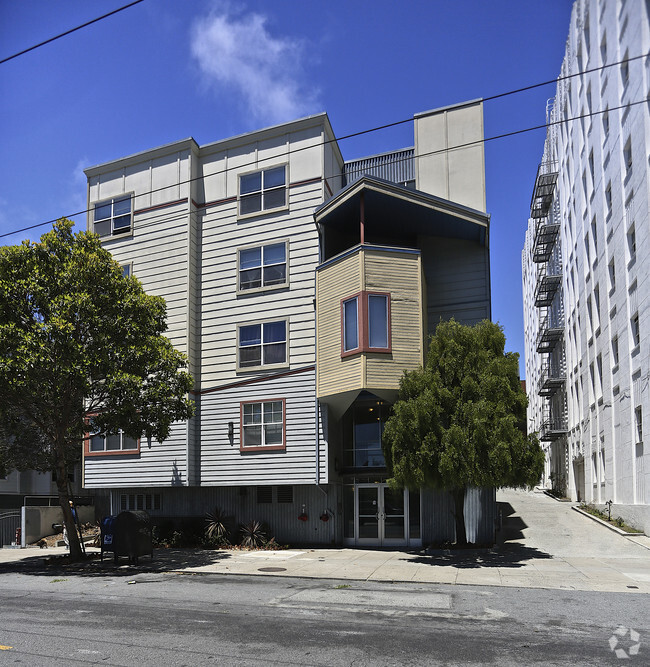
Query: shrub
<point>253,535</point>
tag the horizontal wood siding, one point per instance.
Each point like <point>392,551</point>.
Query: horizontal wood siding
<point>222,309</point>
<point>157,464</point>
<point>399,275</point>
<point>458,282</point>
<point>222,462</point>
<point>335,282</point>
<point>241,506</point>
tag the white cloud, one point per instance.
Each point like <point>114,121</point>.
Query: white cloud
<point>238,52</point>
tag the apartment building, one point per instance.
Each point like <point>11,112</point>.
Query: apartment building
<point>300,287</point>
<point>585,265</point>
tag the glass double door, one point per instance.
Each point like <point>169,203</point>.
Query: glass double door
<point>381,517</point>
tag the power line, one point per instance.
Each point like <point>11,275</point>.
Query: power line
<point>394,124</point>
<point>505,135</point>
<point>69,32</point>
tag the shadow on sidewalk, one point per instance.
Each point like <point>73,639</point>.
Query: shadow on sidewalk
<point>509,549</point>
<point>164,560</point>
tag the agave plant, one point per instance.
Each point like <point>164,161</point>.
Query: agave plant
<point>253,535</point>
<point>215,528</point>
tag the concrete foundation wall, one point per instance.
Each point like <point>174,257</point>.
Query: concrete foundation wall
<point>637,516</point>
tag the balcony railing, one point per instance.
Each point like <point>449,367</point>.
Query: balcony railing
<point>543,194</point>
<point>552,379</point>
<point>553,429</point>
<point>550,332</point>
<point>545,236</point>
<point>547,286</point>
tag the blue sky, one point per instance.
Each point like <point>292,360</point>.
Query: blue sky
<point>164,70</point>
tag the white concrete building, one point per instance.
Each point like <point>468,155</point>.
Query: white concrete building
<point>300,287</point>
<point>585,265</point>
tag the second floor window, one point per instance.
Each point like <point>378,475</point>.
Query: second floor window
<point>263,344</point>
<point>262,190</point>
<point>115,442</point>
<point>262,266</point>
<point>112,216</point>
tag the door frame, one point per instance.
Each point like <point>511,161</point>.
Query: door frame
<point>381,540</point>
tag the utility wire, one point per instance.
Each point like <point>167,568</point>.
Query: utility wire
<point>436,152</point>
<point>69,32</point>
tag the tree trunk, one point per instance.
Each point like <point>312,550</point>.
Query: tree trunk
<point>459,515</point>
<point>64,500</point>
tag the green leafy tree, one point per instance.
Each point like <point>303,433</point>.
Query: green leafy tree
<point>460,420</point>
<point>81,350</point>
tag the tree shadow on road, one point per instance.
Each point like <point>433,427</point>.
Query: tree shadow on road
<point>509,549</point>
<point>164,560</point>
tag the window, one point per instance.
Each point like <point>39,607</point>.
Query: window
<point>627,158</point>
<point>113,443</point>
<point>263,344</point>
<point>262,425</point>
<point>631,242</point>
<point>625,70</point>
<point>140,501</point>
<point>351,324</point>
<point>597,305</point>
<point>612,276</point>
<point>603,50</point>
<point>605,120</point>
<point>594,236</point>
<point>615,351</point>
<point>262,190</point>
<point>365,323</point>
<point>363,426</point>
<point>127,270</point>
<point>264,495</point>
<point>608,199</point>
<point>636,333</point>
<point>599,368</point>
<point>262,266</point>
<point>112,216</point>
<point>638,423</point>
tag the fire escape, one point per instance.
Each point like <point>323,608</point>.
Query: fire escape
<point>548,298</point>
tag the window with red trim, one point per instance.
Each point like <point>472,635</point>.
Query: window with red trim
<point>365,323</point>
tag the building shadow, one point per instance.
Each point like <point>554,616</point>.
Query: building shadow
<point>164,560</point>
<point>509,549</point>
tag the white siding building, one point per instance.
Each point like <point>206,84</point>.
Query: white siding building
<point>258,243</point>
<point>586,269</point>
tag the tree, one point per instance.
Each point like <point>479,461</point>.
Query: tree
<point>82,351</point>
<point>460,420</point>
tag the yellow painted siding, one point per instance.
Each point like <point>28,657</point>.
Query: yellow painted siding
<point>335,282</point>
<point>399,274</point>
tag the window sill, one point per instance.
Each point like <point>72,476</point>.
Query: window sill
<point>258,214</point>
<point>264,367</point>
<point>114,452</point>
<point>262,448</point>
<point>366,350</point>
<point>261,290</point>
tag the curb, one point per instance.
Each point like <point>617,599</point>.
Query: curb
<point>615,529</point>
<point>559,500</point>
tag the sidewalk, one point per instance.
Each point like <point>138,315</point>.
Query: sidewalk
<point>543,544</point>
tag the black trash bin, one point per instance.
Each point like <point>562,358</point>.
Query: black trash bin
<point>127,534</point>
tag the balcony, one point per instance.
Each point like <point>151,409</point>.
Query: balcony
<point>543,194</point>
<point>551,380</point>
<point>550,332</point>
<point>553,429</point>
<point>547,286</point>
<point>545,236</point>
